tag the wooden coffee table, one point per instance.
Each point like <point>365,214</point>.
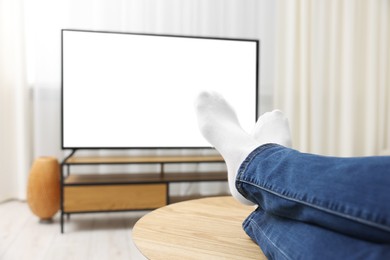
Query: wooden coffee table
<point>209,228</point>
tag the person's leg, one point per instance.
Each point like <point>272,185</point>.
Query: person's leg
<point>281,238</point>
<point>347,195</point>
<point>219,124</point>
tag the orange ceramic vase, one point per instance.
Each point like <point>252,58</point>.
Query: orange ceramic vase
<point>43,191</point>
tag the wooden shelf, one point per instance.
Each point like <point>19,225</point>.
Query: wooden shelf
<point>82,193</point>
<point>142,178</point>
<point>89,198</point>
<point>143,159</point>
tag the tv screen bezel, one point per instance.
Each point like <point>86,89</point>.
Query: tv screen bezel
<point>257,80</point>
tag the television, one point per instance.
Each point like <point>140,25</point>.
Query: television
<point>133,90</point>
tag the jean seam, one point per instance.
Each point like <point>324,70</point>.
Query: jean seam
<point>271,242</point>
<point>360,220</point>
<point>245,164</point>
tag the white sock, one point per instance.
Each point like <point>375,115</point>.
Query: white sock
<point>219,124</point>
<point>272,127</point>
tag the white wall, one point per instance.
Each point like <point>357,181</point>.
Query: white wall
<point>45,19</point>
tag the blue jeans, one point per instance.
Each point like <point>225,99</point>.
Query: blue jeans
<point>317,207</point>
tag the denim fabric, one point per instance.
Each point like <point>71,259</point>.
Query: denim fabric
<point>282,238</point>
<point>346,197</point>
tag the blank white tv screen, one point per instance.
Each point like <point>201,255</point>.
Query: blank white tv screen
<point>123,90</point>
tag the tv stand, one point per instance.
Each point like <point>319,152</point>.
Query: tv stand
<point>86,193</point>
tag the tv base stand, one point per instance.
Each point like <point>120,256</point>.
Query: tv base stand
<point>87,193</point>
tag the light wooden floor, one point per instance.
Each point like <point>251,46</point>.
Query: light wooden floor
<point>87,236</point>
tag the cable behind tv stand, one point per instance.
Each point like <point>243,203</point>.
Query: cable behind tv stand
<point>87,193</point>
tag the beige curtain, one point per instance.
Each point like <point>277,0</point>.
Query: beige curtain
<point>15,152</point>
<point>333,74</point>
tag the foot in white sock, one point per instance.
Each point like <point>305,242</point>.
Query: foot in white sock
<point>272,127</point>
<point>219,125</point>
